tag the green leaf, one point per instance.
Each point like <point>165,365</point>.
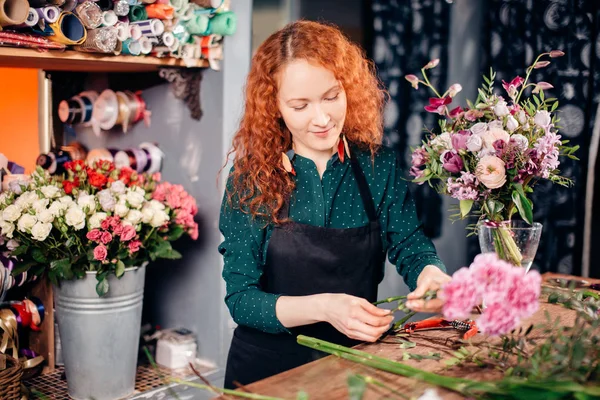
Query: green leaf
<point>102,286</point>
<point>406,344</point>
<point>58,265</point>
<point>22,249</point>
<point>38,255</point>
<point>120,270</point>
<point>356,387</point>
<point>465,207</point>
<point>523,206</point>
<point>553,298</point>
<point>22,267</point>
<point>302,395</point>
<point>176,233</point>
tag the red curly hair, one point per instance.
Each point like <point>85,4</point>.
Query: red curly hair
<point>259,180</point>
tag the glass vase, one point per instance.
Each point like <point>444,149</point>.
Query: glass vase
<point>513,241</point>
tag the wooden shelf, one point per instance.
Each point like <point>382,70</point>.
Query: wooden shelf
<point>69,60</point>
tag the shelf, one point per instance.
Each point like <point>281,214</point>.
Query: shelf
<point>69,60</point>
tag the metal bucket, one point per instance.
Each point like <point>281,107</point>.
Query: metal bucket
<point>100,335</point>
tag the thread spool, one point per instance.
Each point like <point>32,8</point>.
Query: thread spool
<point>155,156</point>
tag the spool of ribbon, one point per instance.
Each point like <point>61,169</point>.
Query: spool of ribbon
<point>13,12</point>
<point>124,111</point>
<point>106,111</point>
<point>137,13</point>
<point>7,265</point>
<point>88,98</point>
<point>29,313</point>
<point>9,336</point>
<point>156,156</point>
<point>135,32</point>
<point>121,8</point>
<point>101,40</point>
<point>109,18</point>
<point>32,19</point>
<point>136,159</point>
<point>150,27</point>
<point>145,45</point>
<point>137,103</point>
<point>101,154</point>
<point>76,150</point>
<point>49,13</point>
<point>68,29</point>
<point>131,47</point>
<point>90,14</point>
<point>160,11</point>
<point>197,25</point>
<point>71,111</point>
<point>224,24</point>
<point>123,32</point>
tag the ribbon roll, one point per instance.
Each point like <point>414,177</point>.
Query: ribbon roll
<point>75,150</point>
<point>135,32</point>
<point>223,24</point>
<point>145,45</point>
<point>121,8</point>
<point>100,154</point>
<point>90,14</point>
<point>124,111</point>
<point>160,11</point>
<point>9,337</point>
<point>32,18</point>
<point>109,18</point>
<point>151,27</point>
<point>197,25</point>
<point>70,111</point>
<point>156,157</point>
<point>131,47</point>
<point>88,98</point>
<point>50,14</point>
<point>106,111</point>
<point>137,13</point>
<point>137,159</point>
<point>123,32</point>
<point>13,12</point>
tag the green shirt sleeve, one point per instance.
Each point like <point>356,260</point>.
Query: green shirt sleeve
<point>408,247</point>
<point>241,250</point>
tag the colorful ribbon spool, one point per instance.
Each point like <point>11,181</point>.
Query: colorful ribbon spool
<point>156,157</point>
<point>106,111</point>
<point>95,155</point>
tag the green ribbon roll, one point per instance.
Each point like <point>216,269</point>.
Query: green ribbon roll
<point>197,25</point>
<point>137,13</point>
<point>224,23</point>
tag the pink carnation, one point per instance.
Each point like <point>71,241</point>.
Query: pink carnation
<point>173,200</point>
<point>128,233</point>
<point>493,274</point>
<point>523,292</point>
<point>460,295</point>
<point>94,235</point>
<point>189,204</point>
<point>497,319</point>
<point>193,232</point>
<point>100,252</point>
<point>156,176</point>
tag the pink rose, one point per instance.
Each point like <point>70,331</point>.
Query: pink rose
<point>105,224</point>
<point>100,253</point>
<point>490,171</point>
<point>494,134</point>
<point>128,233</point>
<point>134,245</point>
<point>118,230</point>
<point>452,162</point>
<point>106,237</point>
<point>94,235</point>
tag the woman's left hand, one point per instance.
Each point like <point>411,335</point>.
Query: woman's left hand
<point>431,278</point>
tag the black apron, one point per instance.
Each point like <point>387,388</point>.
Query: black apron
<point>304,260</point>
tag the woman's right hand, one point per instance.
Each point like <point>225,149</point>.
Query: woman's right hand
<point>355,317</point>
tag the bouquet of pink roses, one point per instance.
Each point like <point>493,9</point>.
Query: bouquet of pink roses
<point>490,155</point>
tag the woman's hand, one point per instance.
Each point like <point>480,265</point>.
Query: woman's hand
<point>355,317</point>
<point>431,278</point>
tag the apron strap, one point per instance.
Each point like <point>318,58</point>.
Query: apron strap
<point>363,187</point>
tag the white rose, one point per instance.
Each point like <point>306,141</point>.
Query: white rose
<point>521,141</point>
<point>444,141</point>
<point>57,208</point>
<point>87,203</point>
<point>495,134</point>
<point>3,197</point>
<point>66,200</point>
<point>25,200</point>
<point>46,216</point>
<point>12,244</point>
<point>156,205</point>
<point>474,143</point>
<point>40,205</point>
<point>75,217</point>
<point>147,214</point>
<point>118,187</point>
<point>96,220</point>
<point>500,109</point>
<point>11,213</point>
<point>495,125</point>
<point>135,199</point>
<point>134,216</point>
<point>159,219</point>
<point>121,209</point>
<point>26,222</point>
<point>49,191</point>
<point>522,117</point>
<point>138,190</point>
<point>7,228</point>
<point>107,201</point>
<point>511,123</point>
<point>40,231</point>
<point>542,119</point>
<point>479,128</point>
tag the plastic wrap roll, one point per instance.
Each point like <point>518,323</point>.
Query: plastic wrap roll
<point>109,18</point>
<point>121,8</point>
<point>214,4</point>
<point>150,27</point>
<point>13,12</point>
<point>101,40</point>
<point>69,5</point>
<point>90,14</point>
<point>137,13</point>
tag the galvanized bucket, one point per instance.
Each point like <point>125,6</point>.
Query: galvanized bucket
<point>100,335</point>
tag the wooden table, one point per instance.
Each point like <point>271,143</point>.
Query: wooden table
<point>326,378</point>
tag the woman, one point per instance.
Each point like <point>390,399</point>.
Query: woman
<point>313,205</point>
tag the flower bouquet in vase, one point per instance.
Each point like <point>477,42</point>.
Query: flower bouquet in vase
<point>92,231</point>
<point>490,155</point>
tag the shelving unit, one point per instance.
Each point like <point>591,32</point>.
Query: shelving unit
<point>69,60</point>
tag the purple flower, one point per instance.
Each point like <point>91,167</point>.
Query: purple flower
<point>459,140</point>
<point>452,162</point>
<point>419,157</point>
<point>416,173</point>
<point>465,187</point>
<point>500,147</point>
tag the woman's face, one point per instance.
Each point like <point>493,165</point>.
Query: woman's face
<point>312,103</point>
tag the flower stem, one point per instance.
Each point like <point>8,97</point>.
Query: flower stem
<point>373,381</point>
<point>529,69</point>
<point>429,84</point>
<point>389,300</point>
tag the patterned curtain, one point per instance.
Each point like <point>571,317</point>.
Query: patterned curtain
<point>406,35</point>
<point>514,33</point>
